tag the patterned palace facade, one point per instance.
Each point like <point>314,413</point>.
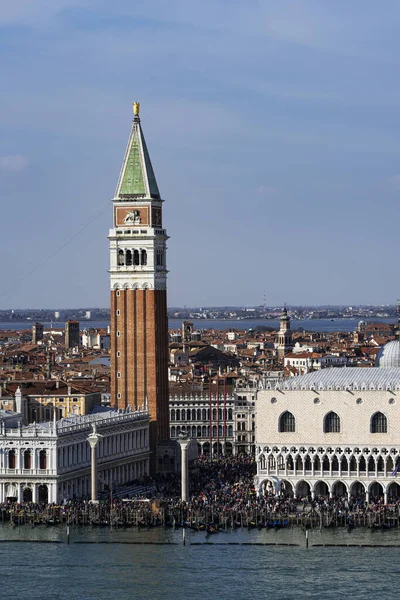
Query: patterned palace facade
<point>333,432</point>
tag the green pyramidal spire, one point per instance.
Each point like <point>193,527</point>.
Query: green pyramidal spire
<point>137,177</point>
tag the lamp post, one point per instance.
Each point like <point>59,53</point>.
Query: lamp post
<point>93,440</point>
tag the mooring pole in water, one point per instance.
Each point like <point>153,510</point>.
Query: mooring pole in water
<point>306,538</point>
<point>67,534</point>
<point>184,536</point>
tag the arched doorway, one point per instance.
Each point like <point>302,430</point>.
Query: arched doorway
<point>303,489</point>
<point>217,449</point>
<point>268,487</point>
<point>228,449</point>
<point>339,489</point>
<point>43,494</point>
<point>11,492</point>
<point>357,490</point>
<point>206,448</point>
<point>375,491</point>
<point>321,489</point>
<point>393,492</point>
<point>286,488</point>
<point>27,495</point>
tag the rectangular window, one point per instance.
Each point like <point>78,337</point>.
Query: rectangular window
<point>119,396</point>
<point>118,375</point>
<point>118,312</point>
<point>118,293</point>
<point>118,354</point>
<point>118,333</point>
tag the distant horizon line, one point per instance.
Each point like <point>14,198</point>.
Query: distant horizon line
<point>214,307</point>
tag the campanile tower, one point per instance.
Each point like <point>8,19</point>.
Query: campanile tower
<point>138,278</point>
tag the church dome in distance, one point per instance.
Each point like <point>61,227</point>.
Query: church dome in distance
<point>389,355</point>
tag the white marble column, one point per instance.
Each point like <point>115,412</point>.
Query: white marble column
<point>93,440</point>
<point>184,444</point>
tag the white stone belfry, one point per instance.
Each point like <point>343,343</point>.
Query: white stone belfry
<point>137,240</point>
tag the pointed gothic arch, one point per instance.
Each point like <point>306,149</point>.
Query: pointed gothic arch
<point>287,422</point>
<point>332,423</point>
<point>379,423</point>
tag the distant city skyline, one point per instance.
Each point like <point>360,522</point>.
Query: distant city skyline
<point>273,131</point>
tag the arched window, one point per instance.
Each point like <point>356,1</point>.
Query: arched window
<point>178,415</point>
<point>193,414</point>
<point>199,414</point>
<point>143,257</point>
<point>11,459</point>
<point>229,414</point>
<point>128,258</point>
<point>194,431</point>
<point>332,423</point>
<point>173,414</point>
<point>204,414</point>
<point>27,459</point>
<point>42,459</point>
<point>287,423</point>
<point>173,431</point>
<point>121,258</point>
<point>230,431</point>
<point>379,423</point>
<point>214,414</point>
<point>198,430</point>
<point>204,431</point>
<point>136,257</point>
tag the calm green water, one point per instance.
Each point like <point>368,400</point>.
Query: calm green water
<point>169,570</point>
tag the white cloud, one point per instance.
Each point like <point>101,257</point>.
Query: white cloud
<point>13,164</point>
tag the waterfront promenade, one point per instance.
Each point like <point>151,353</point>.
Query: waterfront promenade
<point>222,497</point>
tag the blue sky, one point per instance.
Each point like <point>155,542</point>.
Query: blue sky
<point>273,129</point>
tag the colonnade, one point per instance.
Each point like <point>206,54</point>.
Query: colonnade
<point>23,458</point>
<point>81,486</point>
<point>28,491</point>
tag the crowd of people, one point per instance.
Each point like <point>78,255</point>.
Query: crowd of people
<point>220,486</point>
<point>227,484</point>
